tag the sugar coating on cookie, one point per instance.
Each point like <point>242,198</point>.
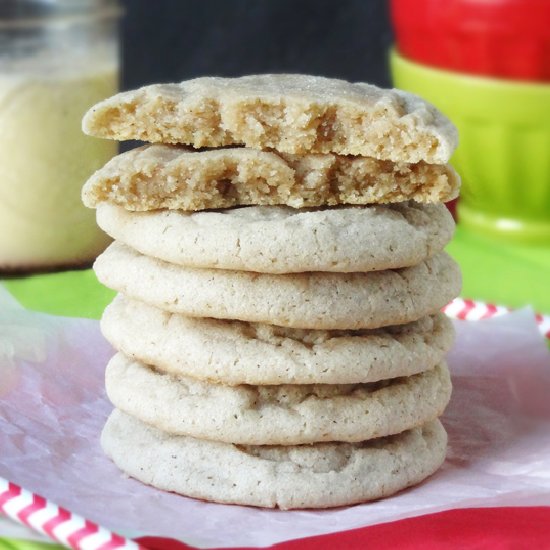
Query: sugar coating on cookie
<point>283,240</point>
<point>321,475</point>
<point>317,300</point>
<point>161,176</point>
<point>237,352</point>
<point>290,113</point>
<point>277,414</point>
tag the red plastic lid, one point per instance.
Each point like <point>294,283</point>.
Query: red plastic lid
<point>498,38</point>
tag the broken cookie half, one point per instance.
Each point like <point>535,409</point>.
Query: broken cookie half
<point>178,178</point>
<point>295,114</point>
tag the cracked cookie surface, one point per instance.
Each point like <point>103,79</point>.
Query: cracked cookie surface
<point>161,176</point>
<point>321,475</point>
<point>276,415</point>
<point>290,113</point>
<point>314,300</point>
<point>279,239</point>
<point>236,352</point>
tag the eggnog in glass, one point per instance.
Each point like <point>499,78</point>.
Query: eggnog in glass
<point>57,58</point>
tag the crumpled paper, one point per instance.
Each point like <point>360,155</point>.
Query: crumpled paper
<point>53,406</point>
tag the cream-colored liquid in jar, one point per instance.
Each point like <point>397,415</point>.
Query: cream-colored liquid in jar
<point>44,161</point>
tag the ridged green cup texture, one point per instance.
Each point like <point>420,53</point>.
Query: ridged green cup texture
<point>504,152</point>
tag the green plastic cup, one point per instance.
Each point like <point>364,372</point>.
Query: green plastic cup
<point>504,150</point>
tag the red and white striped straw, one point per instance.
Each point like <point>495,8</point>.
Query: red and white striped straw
<point>57,523</point>
<point>471,310</point>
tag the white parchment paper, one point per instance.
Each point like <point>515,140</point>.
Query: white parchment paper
<point>52,408</point>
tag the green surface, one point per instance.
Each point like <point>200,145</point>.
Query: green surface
<point>6,544</point>
<point>69,293</point>
<point>504,274</point>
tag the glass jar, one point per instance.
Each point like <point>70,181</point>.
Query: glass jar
<point>57,58</point>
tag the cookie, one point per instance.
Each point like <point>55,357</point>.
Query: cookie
<point>328,301</point>
<point>161,176</point>
<point>278,239</point>
<point>237,352</point>
<point>322,475</point>
<point>276,415</point>
<point>295,114</point>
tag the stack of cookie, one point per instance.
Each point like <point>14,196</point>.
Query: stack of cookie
<point>277,325</point>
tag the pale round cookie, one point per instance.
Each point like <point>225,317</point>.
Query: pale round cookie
<point>278,239</point>
<point>237,352</point>
<point>276,415</point>
<point>291,113</point>
<point>164,176</point>
<point>340,301</point>
<point>322,475</point>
